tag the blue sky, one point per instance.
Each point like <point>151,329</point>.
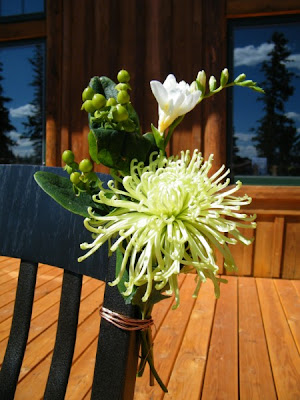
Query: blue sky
<point>250,50</point>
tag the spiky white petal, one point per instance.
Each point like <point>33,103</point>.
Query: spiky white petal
<point>170,217</point>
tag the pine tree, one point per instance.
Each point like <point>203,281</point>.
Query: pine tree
<point>6,143</point>
<point>276,136</point>
<point>34,126</point>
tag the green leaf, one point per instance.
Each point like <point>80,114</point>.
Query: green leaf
<point>125,277</point>
<point>103,85</point>
<point>61,190</point>
<point>109,87</point>
<point>159,139</point>
<point>93,150</point>
<point>155,297</point>
<point>115,149</point>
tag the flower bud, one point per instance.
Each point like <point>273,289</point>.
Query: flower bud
<point>240,78</point>
<point>212,83</point>
<point>201,80</point>
<point>224,77</point>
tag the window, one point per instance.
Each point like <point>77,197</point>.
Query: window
<point>22,72</point>
<point>22,83</point>
<point>17,9</point>
<point>264,139</point>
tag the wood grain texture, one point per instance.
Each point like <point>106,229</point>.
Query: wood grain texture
<point>187,378</point>
<point>221,375</point>
<point>263,248</point>
<point>291,255</point>
<point>167,343</point>
<point>236,8</point>
<point>283,352</point>
<point>255,374</point>
<point>290,301</point>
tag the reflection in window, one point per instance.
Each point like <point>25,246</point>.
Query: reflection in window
<point>22,82</point>
<point>21,7</point>
<point>266,128</point>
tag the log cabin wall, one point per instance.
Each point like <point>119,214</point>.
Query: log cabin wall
<point>149,38</point>
<point>152,38</point>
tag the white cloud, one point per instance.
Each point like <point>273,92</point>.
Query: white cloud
<point>23,111</point>
<point>251,55</point>
<point>293,115</point>
<point>24,145</point>
<point>248,151</point>
<point>243,137</point>
<point>294,61</point>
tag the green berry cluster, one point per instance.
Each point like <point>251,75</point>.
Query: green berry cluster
<point>82,175</point>
<point>112,112</point>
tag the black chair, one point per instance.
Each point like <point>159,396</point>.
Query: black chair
<point>37,230</point>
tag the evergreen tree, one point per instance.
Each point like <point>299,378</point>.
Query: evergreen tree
<point>276,136</point>
<point>6,143</point>
<point>34,126</point>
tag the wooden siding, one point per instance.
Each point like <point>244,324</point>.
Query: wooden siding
<point>150,39</point>
<point>275,250</point>
<point>243,346</point>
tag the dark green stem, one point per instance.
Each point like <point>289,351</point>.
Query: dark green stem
<point>147,355</point>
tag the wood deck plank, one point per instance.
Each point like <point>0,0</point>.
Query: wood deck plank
<point>167,343</point>
<point>198,358</point>
<point>255,374</point>
<point>290,301</point>
<point>282,348</point>
<point>188,372</point>
<point>221,376</point>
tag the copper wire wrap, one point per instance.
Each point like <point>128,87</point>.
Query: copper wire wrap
<point>123,322</point>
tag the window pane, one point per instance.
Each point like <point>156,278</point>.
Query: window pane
<point>266,128</point>
<point>13,7</point>
<point>22,92</point>
<point>21,7</point>
<point>33,6</point>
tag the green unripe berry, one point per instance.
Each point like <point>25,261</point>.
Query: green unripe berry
<point>88,106</point>
<point>120,113</point>
<point>98,101</point>
<point>111,102</point>
<point>75,178</point>
<point>68,156</point>
<point>123,76</point>
<point>123,86</point>
<point>123,97</point>
<point>87,94</point>
<point>85,165</point>
<point>69,169</point>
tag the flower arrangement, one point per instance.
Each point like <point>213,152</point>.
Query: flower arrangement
<point>162,215</point>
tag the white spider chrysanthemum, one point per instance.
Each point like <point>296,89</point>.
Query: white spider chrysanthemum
<point>169,218</point>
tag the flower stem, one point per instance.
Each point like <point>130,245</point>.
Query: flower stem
<point>147,355</point>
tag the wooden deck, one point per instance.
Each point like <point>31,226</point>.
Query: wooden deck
<point>244,346</point>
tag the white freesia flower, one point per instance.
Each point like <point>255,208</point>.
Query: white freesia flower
<point>170,219</point>
<point>174,100</point>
